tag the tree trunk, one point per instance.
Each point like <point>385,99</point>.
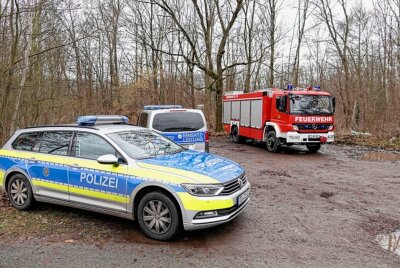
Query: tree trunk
<point>24,73</point>
<point>14,32</point>
<point>272,33</point>
<point>219,89</point>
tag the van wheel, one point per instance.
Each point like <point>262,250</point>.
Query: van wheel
<point>20,193</point>
<point>313,148</point>
<point>272,142</point>
<point>235,135</point>
<point>158,216</point>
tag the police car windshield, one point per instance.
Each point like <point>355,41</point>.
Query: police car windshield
<point>144,144</point>
<point>311,104</point>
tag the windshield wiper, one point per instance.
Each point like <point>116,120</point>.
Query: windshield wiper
<point>305,111</point>
<point>330,113</point>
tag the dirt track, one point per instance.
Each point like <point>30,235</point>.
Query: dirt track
<point>308,210</point>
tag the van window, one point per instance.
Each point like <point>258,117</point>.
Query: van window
<point>178,121</point>
<point>56,142</point>
<point>26,141</point>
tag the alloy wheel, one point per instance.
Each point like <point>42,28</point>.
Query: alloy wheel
<point>157,217</point>
<point>19,192</point>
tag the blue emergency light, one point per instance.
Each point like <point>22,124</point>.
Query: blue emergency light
<point>289,87</point>
<point>159,107</point>
<point>317,88</point>
<point>89,120</point>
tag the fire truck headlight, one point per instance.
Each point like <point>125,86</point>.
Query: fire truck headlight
<point>295,128</point>
<point>203,189</point>
<point>330,128</point>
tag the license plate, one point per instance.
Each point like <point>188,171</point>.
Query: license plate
<point>243,197</point>
<point>313,136</point>
<point>186,146</point>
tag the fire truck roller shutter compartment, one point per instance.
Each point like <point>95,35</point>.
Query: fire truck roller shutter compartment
<point>227,112</point>
<point>256,115</point>
<point>245,113</point>
<point>235,110</point>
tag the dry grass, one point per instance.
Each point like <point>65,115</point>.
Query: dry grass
<point>369,141</point>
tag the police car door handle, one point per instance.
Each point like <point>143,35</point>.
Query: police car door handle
<point>32,160</point>
<point>75,166</point>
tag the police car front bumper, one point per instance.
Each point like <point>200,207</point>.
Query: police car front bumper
<point>302,138</point>
<point>225,215</point>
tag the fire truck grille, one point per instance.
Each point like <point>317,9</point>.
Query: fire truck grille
<point>312,126</point>
<point>234,185</point>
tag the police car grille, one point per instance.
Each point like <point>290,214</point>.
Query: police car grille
<point>233,186</point>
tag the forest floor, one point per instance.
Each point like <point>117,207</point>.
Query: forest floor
<point>306,210</point>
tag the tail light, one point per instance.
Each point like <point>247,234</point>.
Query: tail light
<point>207,136</point>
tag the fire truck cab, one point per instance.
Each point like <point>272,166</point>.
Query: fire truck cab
<point>280,117</point>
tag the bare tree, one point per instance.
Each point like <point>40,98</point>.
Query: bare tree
<point>212,67</point>
<point>339,34</point>
<point>302,15</point>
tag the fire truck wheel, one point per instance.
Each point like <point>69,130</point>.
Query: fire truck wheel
<point>272,142</point>
<point>235,135</point>
<point>313,148</point>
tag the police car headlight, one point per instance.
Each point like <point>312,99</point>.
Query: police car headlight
<point>203,189</point>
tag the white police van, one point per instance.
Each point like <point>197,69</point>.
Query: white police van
<point>187,127</point>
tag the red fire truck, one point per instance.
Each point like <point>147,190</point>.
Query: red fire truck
<point>280,117</point>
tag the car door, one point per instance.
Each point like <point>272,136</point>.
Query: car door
<point>92,183</point>
<point>48,164</point>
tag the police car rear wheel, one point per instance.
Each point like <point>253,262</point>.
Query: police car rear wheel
<point>20,192</point>
<point>158,216</point>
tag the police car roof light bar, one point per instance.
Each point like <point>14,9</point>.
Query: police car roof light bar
<point>90,120</point>
<point>159,107</point>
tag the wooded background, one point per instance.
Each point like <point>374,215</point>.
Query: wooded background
<point>60,59</point>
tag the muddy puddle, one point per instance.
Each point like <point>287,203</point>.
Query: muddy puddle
<point>380,156</point>
<point>390,242</point>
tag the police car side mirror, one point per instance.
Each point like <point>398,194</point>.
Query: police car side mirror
<point>108,159</point>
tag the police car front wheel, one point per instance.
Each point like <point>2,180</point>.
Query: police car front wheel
<point>158,216</point>
<point>20,192</point>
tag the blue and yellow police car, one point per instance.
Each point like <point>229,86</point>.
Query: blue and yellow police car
<point>105,165</point>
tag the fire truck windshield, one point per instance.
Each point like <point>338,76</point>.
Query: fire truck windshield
<point>311,104</point>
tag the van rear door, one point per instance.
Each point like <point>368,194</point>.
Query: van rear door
<point>187,128</point>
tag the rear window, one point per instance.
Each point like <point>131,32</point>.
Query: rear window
<point>178,121</point>
<point>26,141</point>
